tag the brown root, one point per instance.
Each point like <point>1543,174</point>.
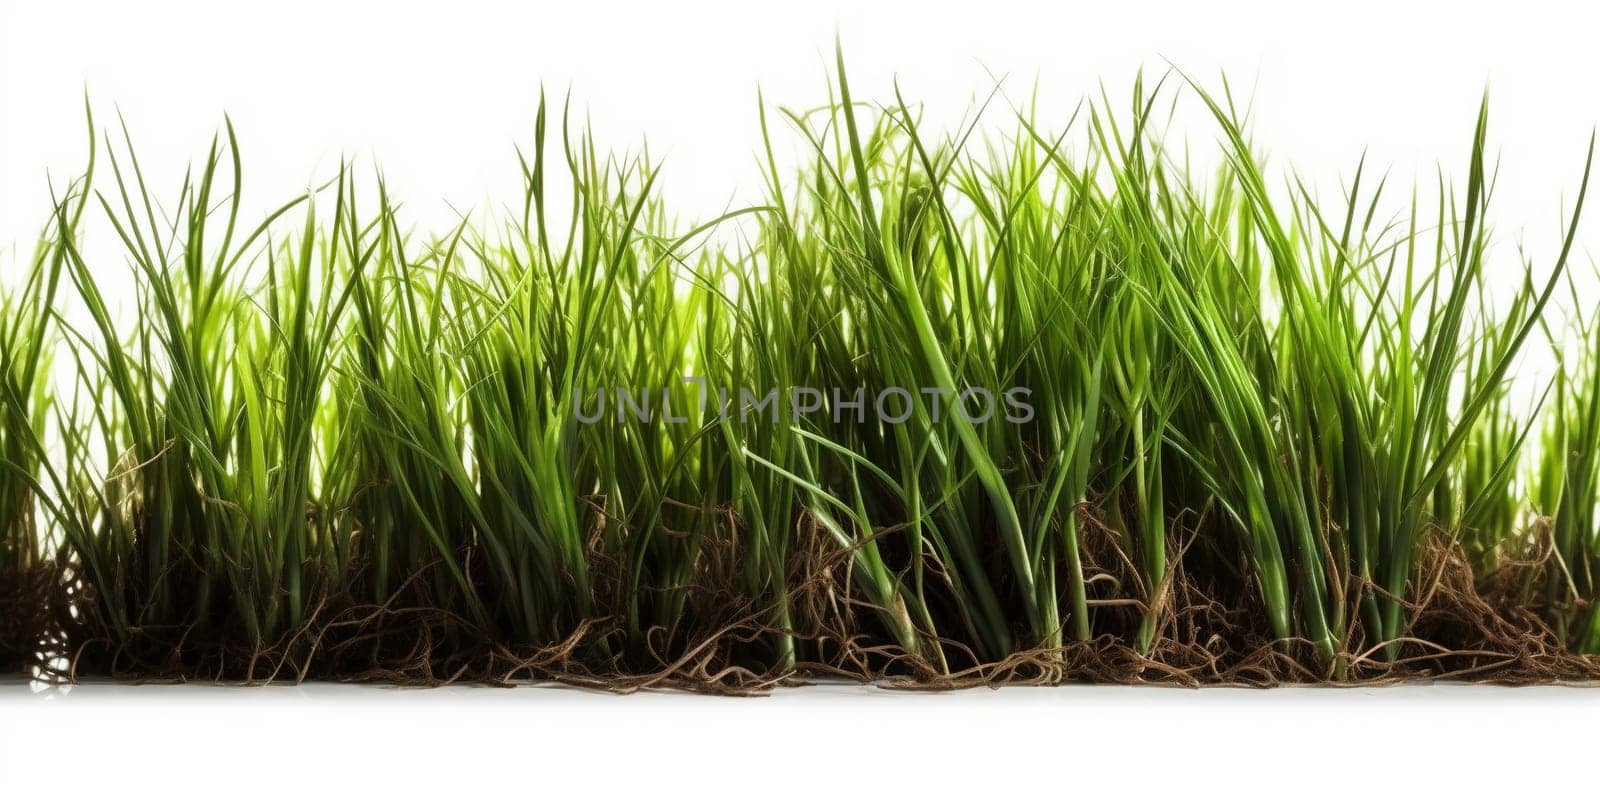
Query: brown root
<point>1209,632</point>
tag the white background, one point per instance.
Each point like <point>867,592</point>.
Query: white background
<point>814,743</point>
<point>438,94</point>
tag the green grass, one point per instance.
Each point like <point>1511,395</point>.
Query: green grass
<point>27,395</point>
<point>329,440</point>
<point>1567,483</point>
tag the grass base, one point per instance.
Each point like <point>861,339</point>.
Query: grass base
<point>1461,629</point>
<point>24,615</point>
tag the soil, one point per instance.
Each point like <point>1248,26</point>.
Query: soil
<point>1210,634</point>
<point>24,615</point>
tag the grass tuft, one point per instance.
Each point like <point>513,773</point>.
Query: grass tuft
<point>946,406</point>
